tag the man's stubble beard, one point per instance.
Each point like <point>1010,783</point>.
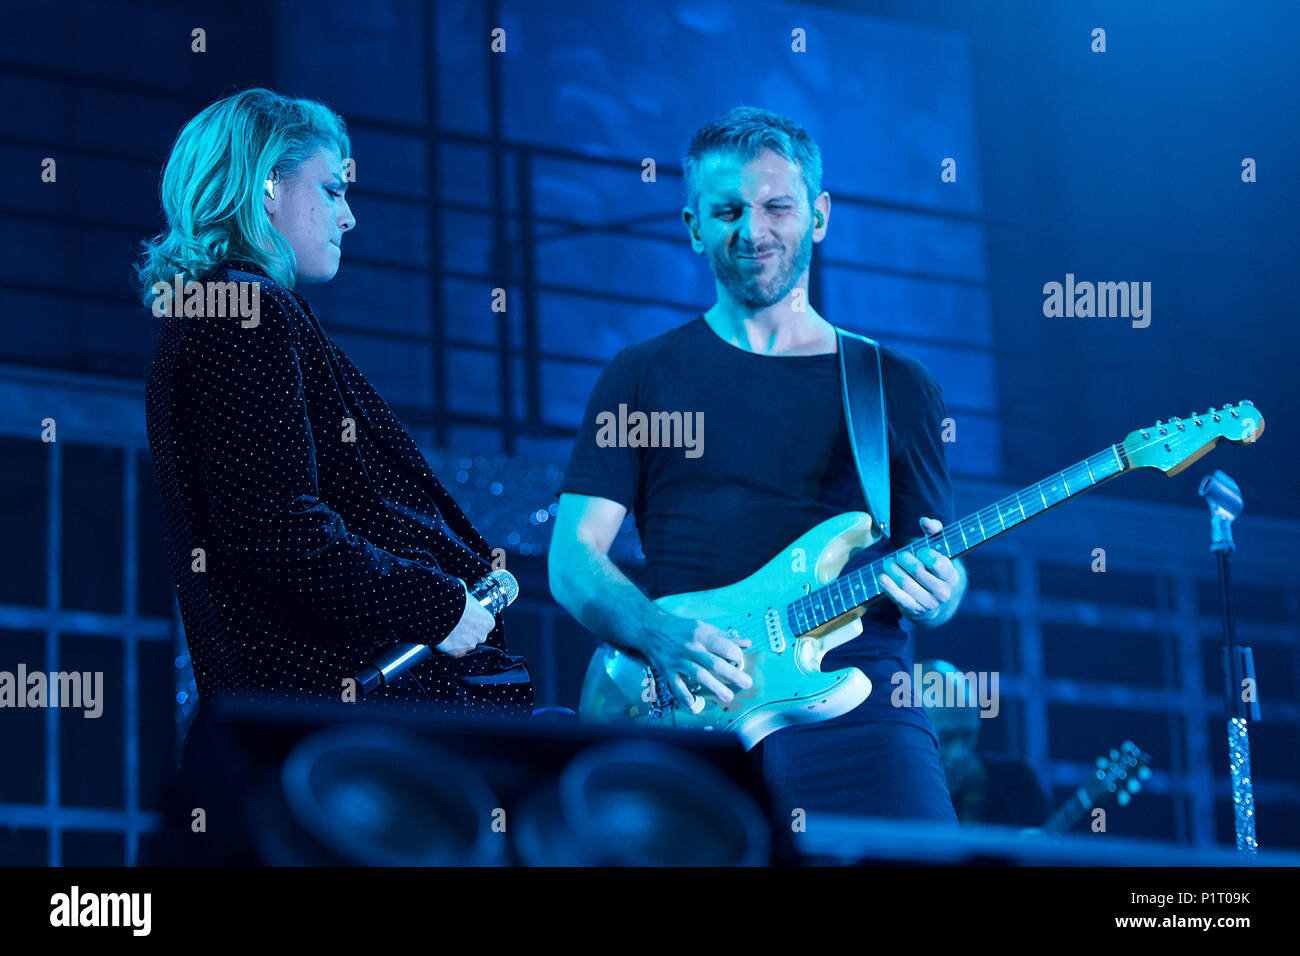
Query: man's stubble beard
<point>747,290</point>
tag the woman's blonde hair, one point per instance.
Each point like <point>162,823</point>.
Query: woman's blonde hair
<point>212,185</point>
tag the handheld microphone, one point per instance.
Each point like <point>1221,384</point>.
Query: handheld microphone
<point>495,591</point>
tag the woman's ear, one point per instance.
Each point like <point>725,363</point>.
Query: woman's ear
<point>268,193</point>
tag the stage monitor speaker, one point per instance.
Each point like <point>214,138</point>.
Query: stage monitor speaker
<point>276,783</point>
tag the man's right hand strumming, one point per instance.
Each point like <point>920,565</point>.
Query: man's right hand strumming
<point>472,630</point>
<point>688,653</point>
<point>696,658</point>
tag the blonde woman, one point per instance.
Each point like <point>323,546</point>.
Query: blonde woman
<point>304,527</point>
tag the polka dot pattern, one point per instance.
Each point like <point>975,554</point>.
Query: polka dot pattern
<point>322,540</point>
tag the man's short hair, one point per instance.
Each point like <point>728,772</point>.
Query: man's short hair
<point>746,130</point>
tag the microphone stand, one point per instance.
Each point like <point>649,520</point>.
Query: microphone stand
<point>1224,499</point>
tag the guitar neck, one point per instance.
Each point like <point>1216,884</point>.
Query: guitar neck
<point>856,588</point>
<point>1068,813</point>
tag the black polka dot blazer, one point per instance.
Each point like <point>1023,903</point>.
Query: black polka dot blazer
<point>304,528</point>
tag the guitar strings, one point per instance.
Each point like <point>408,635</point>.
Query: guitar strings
<point>1122,449</point>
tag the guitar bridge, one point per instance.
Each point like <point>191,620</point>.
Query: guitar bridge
<point>775,636</point>
<point>658,706</point>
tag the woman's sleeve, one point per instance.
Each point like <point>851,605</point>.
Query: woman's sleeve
<point>258,459</point>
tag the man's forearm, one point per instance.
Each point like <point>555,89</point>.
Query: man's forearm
<point>592,588</point>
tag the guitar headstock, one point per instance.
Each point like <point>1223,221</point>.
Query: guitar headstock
<point>1173,445</point>
<point>1121,772</point>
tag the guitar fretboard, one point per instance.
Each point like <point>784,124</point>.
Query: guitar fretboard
<point>858,587</point>
<point>1068,814</point>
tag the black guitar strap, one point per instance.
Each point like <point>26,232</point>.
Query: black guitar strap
<point>863,388</point>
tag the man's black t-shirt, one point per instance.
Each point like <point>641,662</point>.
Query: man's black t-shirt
<point>771,460</point>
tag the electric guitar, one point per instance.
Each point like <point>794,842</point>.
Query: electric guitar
<point>1120,773</point>
<point>797,607</point>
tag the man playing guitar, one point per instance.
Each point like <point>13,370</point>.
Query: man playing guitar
<point>985,788</point>
<point>759,369</point>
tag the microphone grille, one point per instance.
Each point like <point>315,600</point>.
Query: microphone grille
<point>509,586</point>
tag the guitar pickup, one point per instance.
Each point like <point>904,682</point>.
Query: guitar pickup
<point>775,636</point>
